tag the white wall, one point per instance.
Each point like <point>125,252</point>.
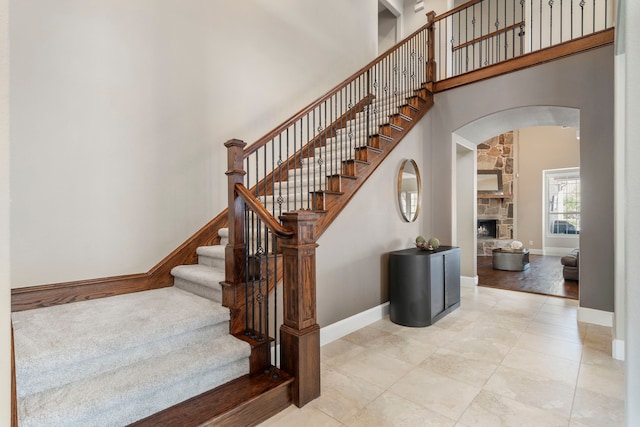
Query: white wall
<point>412,20</point>
<point>119,110</point>
<point>5,289</point>
<point>387,28</point>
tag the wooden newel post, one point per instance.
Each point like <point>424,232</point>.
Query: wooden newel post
<point>300,334</point>
<point>431,63</point>
<point>233,290</point>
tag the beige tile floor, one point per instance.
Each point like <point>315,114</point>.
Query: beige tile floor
<point>503,358</point>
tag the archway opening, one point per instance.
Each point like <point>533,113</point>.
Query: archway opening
<point>466,140</point>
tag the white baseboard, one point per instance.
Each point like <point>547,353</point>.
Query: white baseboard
<point>469,281</point>
<point>617,349</point>
<point>536,252</point>
<point>345,326</point>
<point>597,317</point>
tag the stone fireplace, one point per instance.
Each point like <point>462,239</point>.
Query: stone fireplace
<point>495,211</point>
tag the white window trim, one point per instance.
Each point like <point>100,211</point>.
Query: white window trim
<point>545,197</point>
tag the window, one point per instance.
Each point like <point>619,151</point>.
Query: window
<point>563,201</point>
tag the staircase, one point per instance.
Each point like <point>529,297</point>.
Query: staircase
<point>166,356</point>
<point>116,360</point>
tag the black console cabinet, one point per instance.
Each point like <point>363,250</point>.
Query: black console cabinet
<point>424,286</point>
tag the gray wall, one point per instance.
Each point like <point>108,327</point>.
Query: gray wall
<point>583,83</point>
<point>352,253</point>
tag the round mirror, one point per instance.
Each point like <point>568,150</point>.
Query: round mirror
<point>409,190</point>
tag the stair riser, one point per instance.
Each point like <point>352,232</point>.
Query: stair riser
<point>33,381</point>
<point>211,262</point>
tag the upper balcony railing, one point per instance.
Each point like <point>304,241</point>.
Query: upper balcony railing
<point>485,32</point>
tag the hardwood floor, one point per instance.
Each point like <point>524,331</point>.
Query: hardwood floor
<point>544,276</point>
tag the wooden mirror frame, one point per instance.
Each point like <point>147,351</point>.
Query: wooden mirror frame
<point>403,211</point>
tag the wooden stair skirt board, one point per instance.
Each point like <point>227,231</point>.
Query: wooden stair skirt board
<point>245,401</point>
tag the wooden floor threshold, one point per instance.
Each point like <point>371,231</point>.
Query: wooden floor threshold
<point>246,401</point>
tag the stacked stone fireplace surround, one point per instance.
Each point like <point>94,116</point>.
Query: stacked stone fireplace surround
<point>497,154</point>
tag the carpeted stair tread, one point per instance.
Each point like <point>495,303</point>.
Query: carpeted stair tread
<point>198,273</point>
<point>65,335</point>
<point>199,279</point>
<point>135,391</point>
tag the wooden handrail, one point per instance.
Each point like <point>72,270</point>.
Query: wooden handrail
<point>300,114</point>
<point>488,36</point>
<point>257,207</point>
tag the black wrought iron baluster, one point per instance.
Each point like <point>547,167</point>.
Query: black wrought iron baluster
<point>437,45</point>
<point>257,273</point>
<point>531,26</point>
<point>513,30</point>
<point>473,37</point>
<point>275,309</point>
<point>582,3</point>
<point>489,57</point>
<point>571,20</point>
<point>522,26</point>
<point>330,130</point>
<point>280,164</point>
<point>266,281</point>
<point>272,174</point>
<point>297,164</point>
<point>252,242</point>
<point>289,167</point>
<point>540,36</point>
<point>480,42</point>
<point>550,22</point>
<point>264,179</point>
<point>311,162</point>
<point>246,262</point>
<point>402,75</point>
<point>593,15</point>
<point>498,36</point>
<point>506,39</point>
<point>561,20</point>
<point>459,41</point>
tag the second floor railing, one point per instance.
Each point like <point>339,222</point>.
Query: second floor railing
<point>480,33</point>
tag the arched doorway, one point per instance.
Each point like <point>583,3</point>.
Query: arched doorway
<point>465,140</point>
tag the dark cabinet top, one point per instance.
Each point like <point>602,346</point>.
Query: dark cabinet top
<point>417,251</point>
